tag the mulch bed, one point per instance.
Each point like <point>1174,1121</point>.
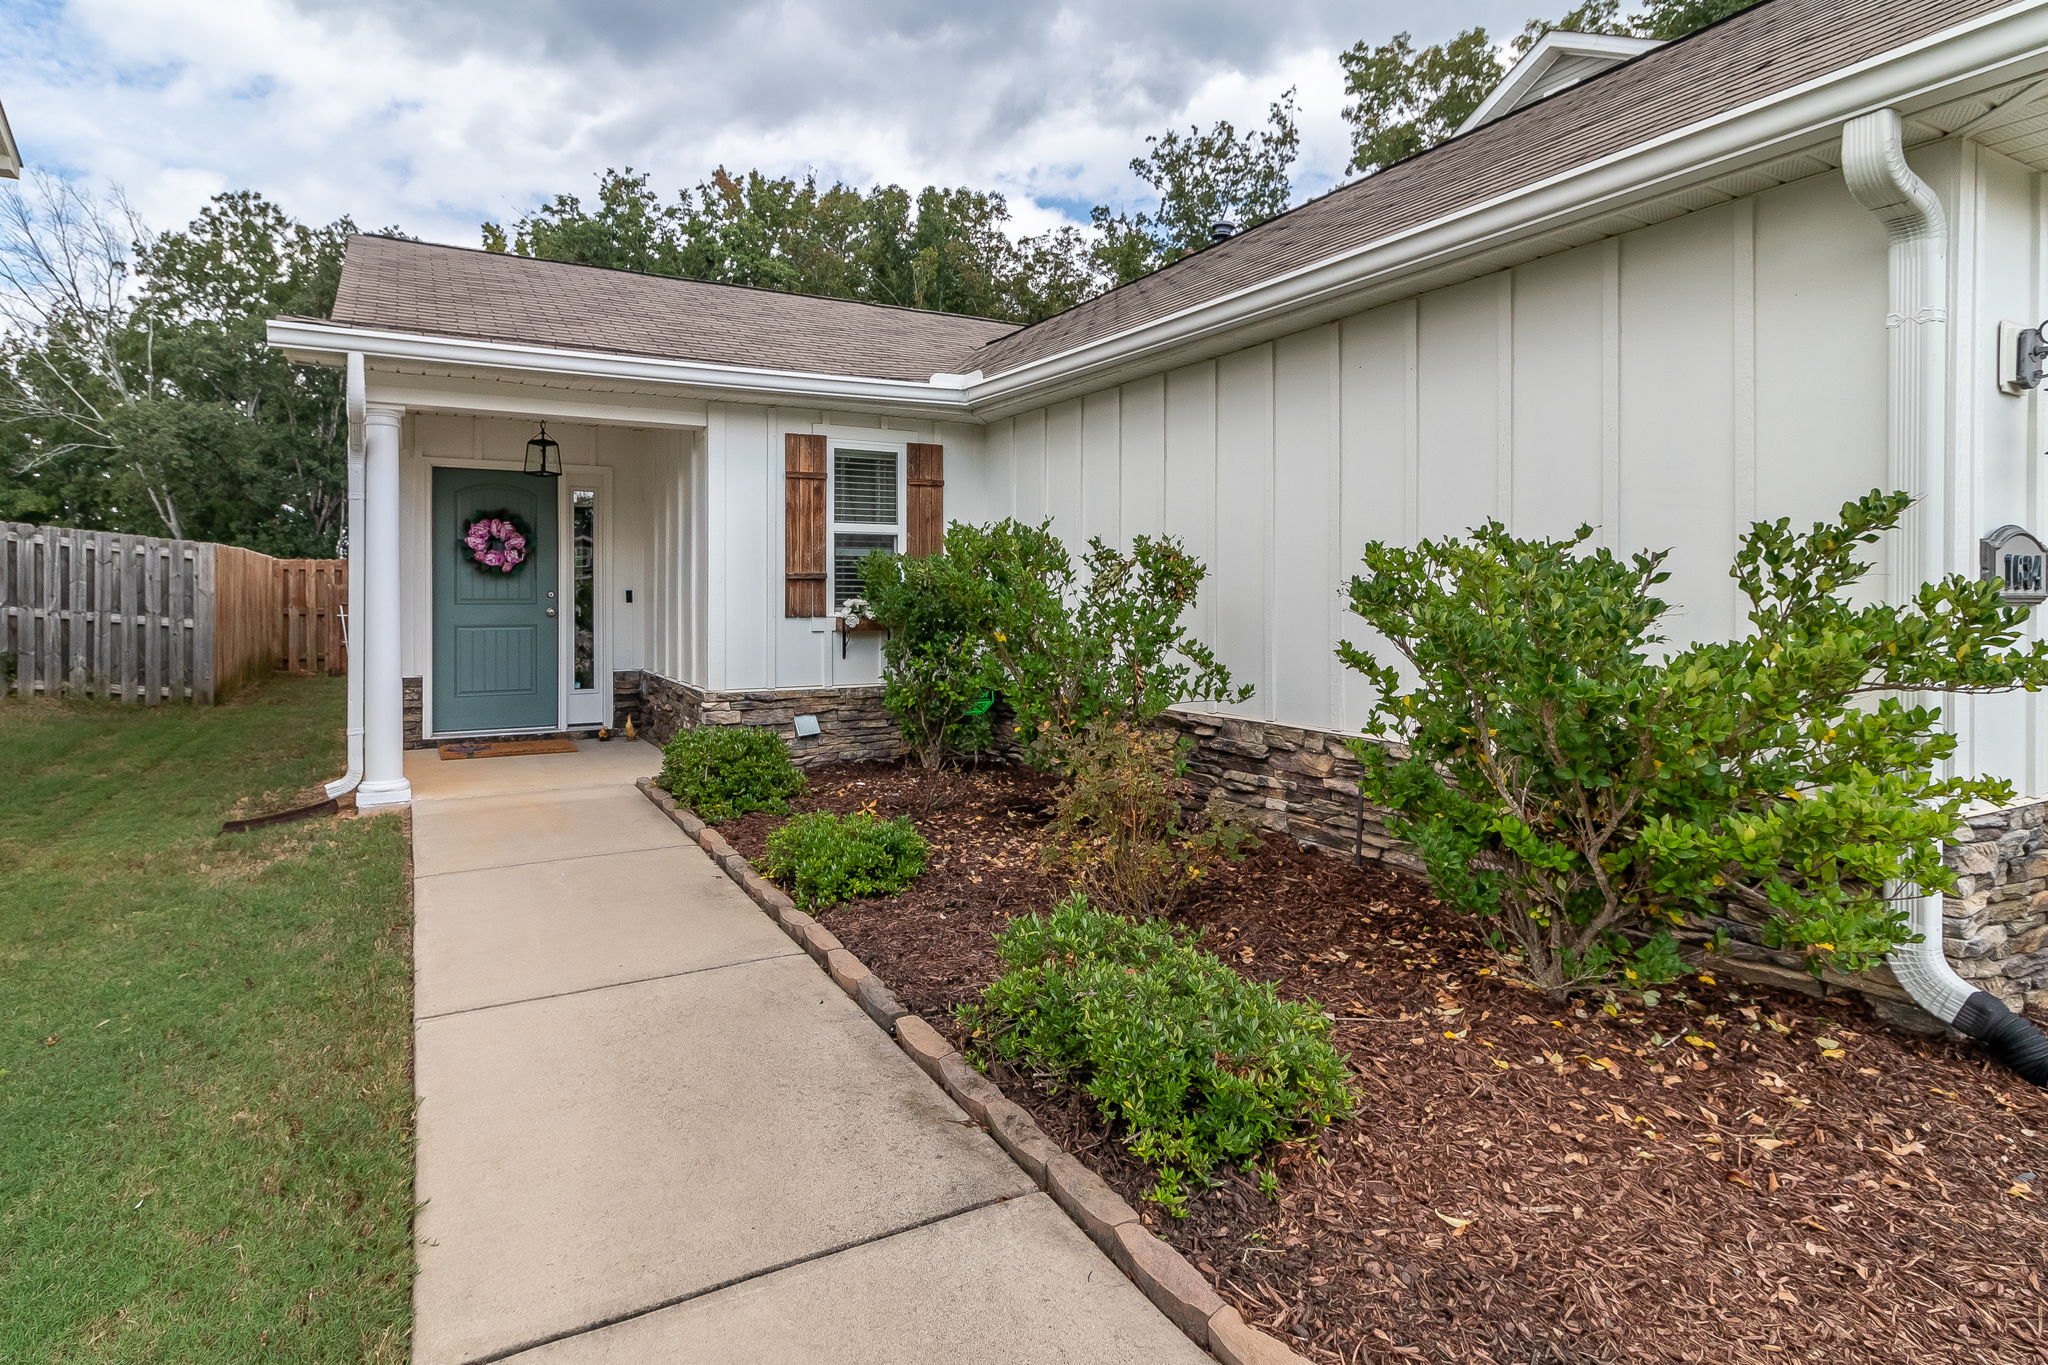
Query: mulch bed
<point>1737,1174</point>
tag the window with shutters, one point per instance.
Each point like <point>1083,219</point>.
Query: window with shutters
<point>866,502</point>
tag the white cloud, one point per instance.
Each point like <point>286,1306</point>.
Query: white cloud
<point>435,116</point>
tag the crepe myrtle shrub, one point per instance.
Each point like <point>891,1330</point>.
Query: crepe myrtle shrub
<point>1124,828</point>
<point>1195,1066</point>
<point>824,858</point>
<point>1077,654</point>
<point>936,668</point>
<point>1585,792</point>
<point>725,771</point>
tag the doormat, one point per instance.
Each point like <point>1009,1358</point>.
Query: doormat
<point>505,748</point>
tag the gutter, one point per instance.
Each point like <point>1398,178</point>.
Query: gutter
<point>2003,45</point>
<point>353,397</point>
<point>327,343</point>
<point>1879,178</point>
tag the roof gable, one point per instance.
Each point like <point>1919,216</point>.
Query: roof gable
<point>1557,61</point>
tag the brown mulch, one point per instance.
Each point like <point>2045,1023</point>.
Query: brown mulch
<point>1735,1174</point>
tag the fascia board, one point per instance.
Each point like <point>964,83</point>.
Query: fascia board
<point>326,343</point>
<point>2002,45</point>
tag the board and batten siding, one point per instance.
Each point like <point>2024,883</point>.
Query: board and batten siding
<point>737,520</point>
<point>1668,386</point>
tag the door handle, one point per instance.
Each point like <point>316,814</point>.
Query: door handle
<point>551,611</point>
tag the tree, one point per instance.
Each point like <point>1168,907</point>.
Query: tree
<point>939,248</point>
<point>1583,797</point>
<point>1203,178</point>
<point>629,229</point>
<point>136,389</point>
<point>1408,99</point>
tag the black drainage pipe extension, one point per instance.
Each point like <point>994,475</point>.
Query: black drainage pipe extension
<point>284,817</point>
<point>2007,1036</point>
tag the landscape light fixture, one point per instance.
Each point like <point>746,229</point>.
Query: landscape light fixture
<point>544,456</point>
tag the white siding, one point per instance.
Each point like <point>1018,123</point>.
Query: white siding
<point>1668,387</point>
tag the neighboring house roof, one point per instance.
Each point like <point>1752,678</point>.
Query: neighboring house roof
<point>1762,51</point>
<point>10,155</point>
<point>1555,61</point>
<point>390,284</point>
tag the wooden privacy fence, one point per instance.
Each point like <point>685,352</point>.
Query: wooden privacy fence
<point>98,614</point>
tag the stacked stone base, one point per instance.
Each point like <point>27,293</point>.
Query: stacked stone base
<point>853,725</point>
<point>1304,783</point>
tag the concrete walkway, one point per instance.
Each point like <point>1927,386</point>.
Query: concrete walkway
<point>651,1129</point>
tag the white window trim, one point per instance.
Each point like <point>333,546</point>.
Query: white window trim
<point>834,443</point>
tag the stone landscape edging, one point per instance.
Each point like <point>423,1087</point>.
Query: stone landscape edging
<point>1165,1277</point>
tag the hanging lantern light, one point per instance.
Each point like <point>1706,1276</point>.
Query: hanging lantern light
<point>544,456</point>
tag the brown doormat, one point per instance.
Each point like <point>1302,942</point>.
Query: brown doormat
<point>505,748</point>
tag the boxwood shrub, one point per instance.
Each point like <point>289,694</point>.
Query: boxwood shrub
<point>823,859</point>
<point>725,771</point>
<point>1197,1066</point>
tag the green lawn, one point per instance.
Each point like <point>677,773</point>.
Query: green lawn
<point>205,1041</point>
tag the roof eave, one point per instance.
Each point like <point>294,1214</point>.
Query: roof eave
<point>317,342</point>
<point>1985,50</point>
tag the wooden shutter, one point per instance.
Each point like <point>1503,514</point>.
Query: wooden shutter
<point>803,525</point>
<point>924,528</point>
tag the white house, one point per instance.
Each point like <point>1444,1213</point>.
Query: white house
<point>1664,289</point>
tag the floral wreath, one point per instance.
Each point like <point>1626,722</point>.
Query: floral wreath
<point>496,540</point>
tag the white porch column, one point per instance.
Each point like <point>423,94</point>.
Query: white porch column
<point>377,619</point>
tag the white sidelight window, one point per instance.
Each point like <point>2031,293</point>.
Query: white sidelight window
<point>866,498</point>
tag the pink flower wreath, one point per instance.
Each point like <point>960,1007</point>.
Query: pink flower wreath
<point>496,540</point>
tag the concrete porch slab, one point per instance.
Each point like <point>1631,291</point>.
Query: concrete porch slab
<point>1009,1284</point>
<point>584,1157</point>
<point>533,827</point>
<point>499,934</point>
<point>593,764</point>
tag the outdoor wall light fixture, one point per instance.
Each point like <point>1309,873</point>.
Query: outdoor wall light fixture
<point>2024,356</point>
<point>544,456</point>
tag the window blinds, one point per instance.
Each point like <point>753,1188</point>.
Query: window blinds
<point>864,487</point>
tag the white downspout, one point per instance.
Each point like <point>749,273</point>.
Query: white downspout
<point>1916,322</point>
<point>353,391</point>
<point>1916,410</point>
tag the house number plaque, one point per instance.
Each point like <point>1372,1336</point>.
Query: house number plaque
<point>2017,559</point>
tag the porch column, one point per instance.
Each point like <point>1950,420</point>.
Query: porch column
<point>377,619</point>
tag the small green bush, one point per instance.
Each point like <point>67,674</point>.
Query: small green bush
<point>824,859</point>
<point>725,771</point>
<point>1200,1066</point>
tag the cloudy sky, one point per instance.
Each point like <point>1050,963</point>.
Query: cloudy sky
<point>435,115</point>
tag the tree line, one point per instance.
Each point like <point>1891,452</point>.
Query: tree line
<point>137,394</point>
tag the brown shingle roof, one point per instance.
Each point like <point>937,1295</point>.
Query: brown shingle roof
<point>479,295</point>
<point>1757,53</point>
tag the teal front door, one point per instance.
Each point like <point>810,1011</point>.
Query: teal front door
<point>497,665</point>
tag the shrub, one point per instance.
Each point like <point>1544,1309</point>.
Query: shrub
<point>1197,1065</point>
<point>1074,657</point>
<point>1122,829</point>
<point>824,859</point>
<point>725,771</point>
<point>1585,797</point>
<point>936,669</point>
